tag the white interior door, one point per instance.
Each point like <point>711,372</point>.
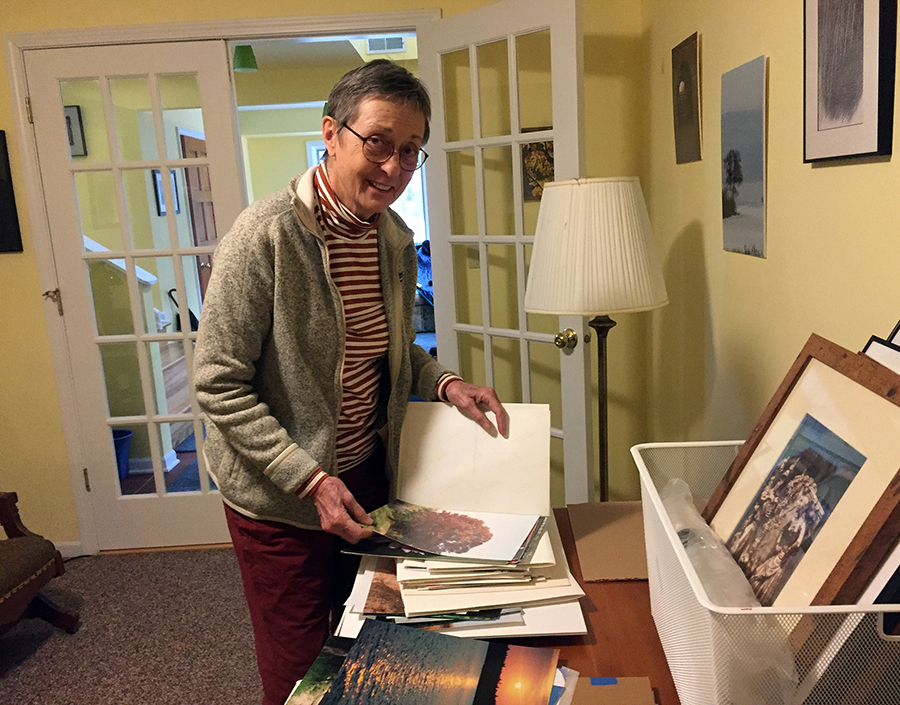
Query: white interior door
<point>107,124</point>
<point>506,86</point>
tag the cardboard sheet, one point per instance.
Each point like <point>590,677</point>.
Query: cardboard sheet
<point>450,462</point>
<point>613,691</point>
<point>609,539</point>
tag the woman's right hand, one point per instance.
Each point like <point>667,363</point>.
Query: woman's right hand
<point>339,512</point>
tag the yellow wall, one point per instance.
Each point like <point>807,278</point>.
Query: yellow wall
<point>736,323</point>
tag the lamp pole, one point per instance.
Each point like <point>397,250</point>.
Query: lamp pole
<point>602,325</point>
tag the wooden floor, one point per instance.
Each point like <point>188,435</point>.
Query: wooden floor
<point>144,483</point>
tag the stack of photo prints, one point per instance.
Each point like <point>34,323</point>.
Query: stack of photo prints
<point>467,573</point>
<point>390,664</point>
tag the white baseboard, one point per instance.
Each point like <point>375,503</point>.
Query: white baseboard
<point>70,549</point>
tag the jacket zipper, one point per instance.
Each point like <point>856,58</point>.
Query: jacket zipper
<point>343,338</point>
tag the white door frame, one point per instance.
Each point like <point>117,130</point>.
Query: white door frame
<point>14,47</point>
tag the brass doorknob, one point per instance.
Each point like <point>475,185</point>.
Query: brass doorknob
<point>566,339</point>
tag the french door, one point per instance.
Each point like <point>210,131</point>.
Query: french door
<point>123,201</point>
<point>506,83</point>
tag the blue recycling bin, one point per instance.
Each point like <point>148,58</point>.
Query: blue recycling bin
<point>122,443</point>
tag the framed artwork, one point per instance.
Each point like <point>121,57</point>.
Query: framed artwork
<point>811,505</point>
<point>686,104</point>
<point>894,337</point>
<point>75,131</point>
<point>849,70</point>
<point>888,354</point>
<point>10,234</point>
<point>160,194</point>
<point>744,159</point>
<point>537,168</point>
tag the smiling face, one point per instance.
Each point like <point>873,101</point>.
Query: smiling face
<point>363,187</point>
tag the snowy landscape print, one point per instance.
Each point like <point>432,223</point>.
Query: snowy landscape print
<point>743,159</point>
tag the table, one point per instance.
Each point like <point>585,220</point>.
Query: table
<point>621,639</point>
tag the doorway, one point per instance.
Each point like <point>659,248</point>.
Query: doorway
<point>280,107</point>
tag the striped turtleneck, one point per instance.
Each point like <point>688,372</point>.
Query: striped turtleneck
<point>353,265</point>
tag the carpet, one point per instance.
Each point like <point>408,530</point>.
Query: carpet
<point>188,445</point>
<point>166,628</point>
<point>189,480</point>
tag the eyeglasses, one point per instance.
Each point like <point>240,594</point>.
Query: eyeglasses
<point>378,150</point>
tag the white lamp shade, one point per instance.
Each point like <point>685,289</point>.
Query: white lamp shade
<point>593,251</point>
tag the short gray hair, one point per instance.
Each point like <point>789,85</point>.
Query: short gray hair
<point>378,79</point>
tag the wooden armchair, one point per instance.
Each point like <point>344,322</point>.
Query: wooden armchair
<point>27,563</point>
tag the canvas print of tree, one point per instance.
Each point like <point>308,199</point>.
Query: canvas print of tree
<point>471,535</point>
<point>318,679</point>
<point>395,665</point>
<point>744,158</point>
<point>797,498</point>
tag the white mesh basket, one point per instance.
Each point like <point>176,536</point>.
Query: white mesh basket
<point>724,656</point>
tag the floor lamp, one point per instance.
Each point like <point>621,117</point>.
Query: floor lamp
<point>594,255</point>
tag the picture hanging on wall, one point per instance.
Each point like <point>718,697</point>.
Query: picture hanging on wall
<point>75,131</point>
<point>537,168</point>
<point>809,507</point>
<point>10,235</point>
<point>744,159</point>
<point>849,70</point>
<point>160,195</point>
<point>686,104</point>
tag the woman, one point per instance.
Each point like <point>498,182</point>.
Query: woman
<point>305,361</point>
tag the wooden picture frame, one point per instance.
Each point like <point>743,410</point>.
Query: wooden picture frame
<point>849,71</point>
<point>159,194</point>
<point>75,131</point>
<point>686,103</point>
<point>855,401</point>
<point>537,168</point>
<point>10,232</point>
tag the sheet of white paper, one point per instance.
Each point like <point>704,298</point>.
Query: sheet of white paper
<point>447,461</point>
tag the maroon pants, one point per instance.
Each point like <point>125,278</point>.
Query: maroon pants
<point>296,581</point>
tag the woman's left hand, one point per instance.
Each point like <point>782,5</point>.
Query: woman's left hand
<point>473,401</point>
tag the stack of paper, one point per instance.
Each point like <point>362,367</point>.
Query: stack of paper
<point>531,593</point>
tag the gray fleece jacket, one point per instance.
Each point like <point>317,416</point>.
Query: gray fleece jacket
<point>269,354</point>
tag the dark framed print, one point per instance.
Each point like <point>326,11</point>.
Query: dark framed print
<point>75,131</point>
<point>537,168</point>
<point>849,54</point>
<point>686,104</point>
<point>10,234</point>
<point>160,194</point>
<point>894,337</point>
<point>811,505</point>
<point>885,352</point>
